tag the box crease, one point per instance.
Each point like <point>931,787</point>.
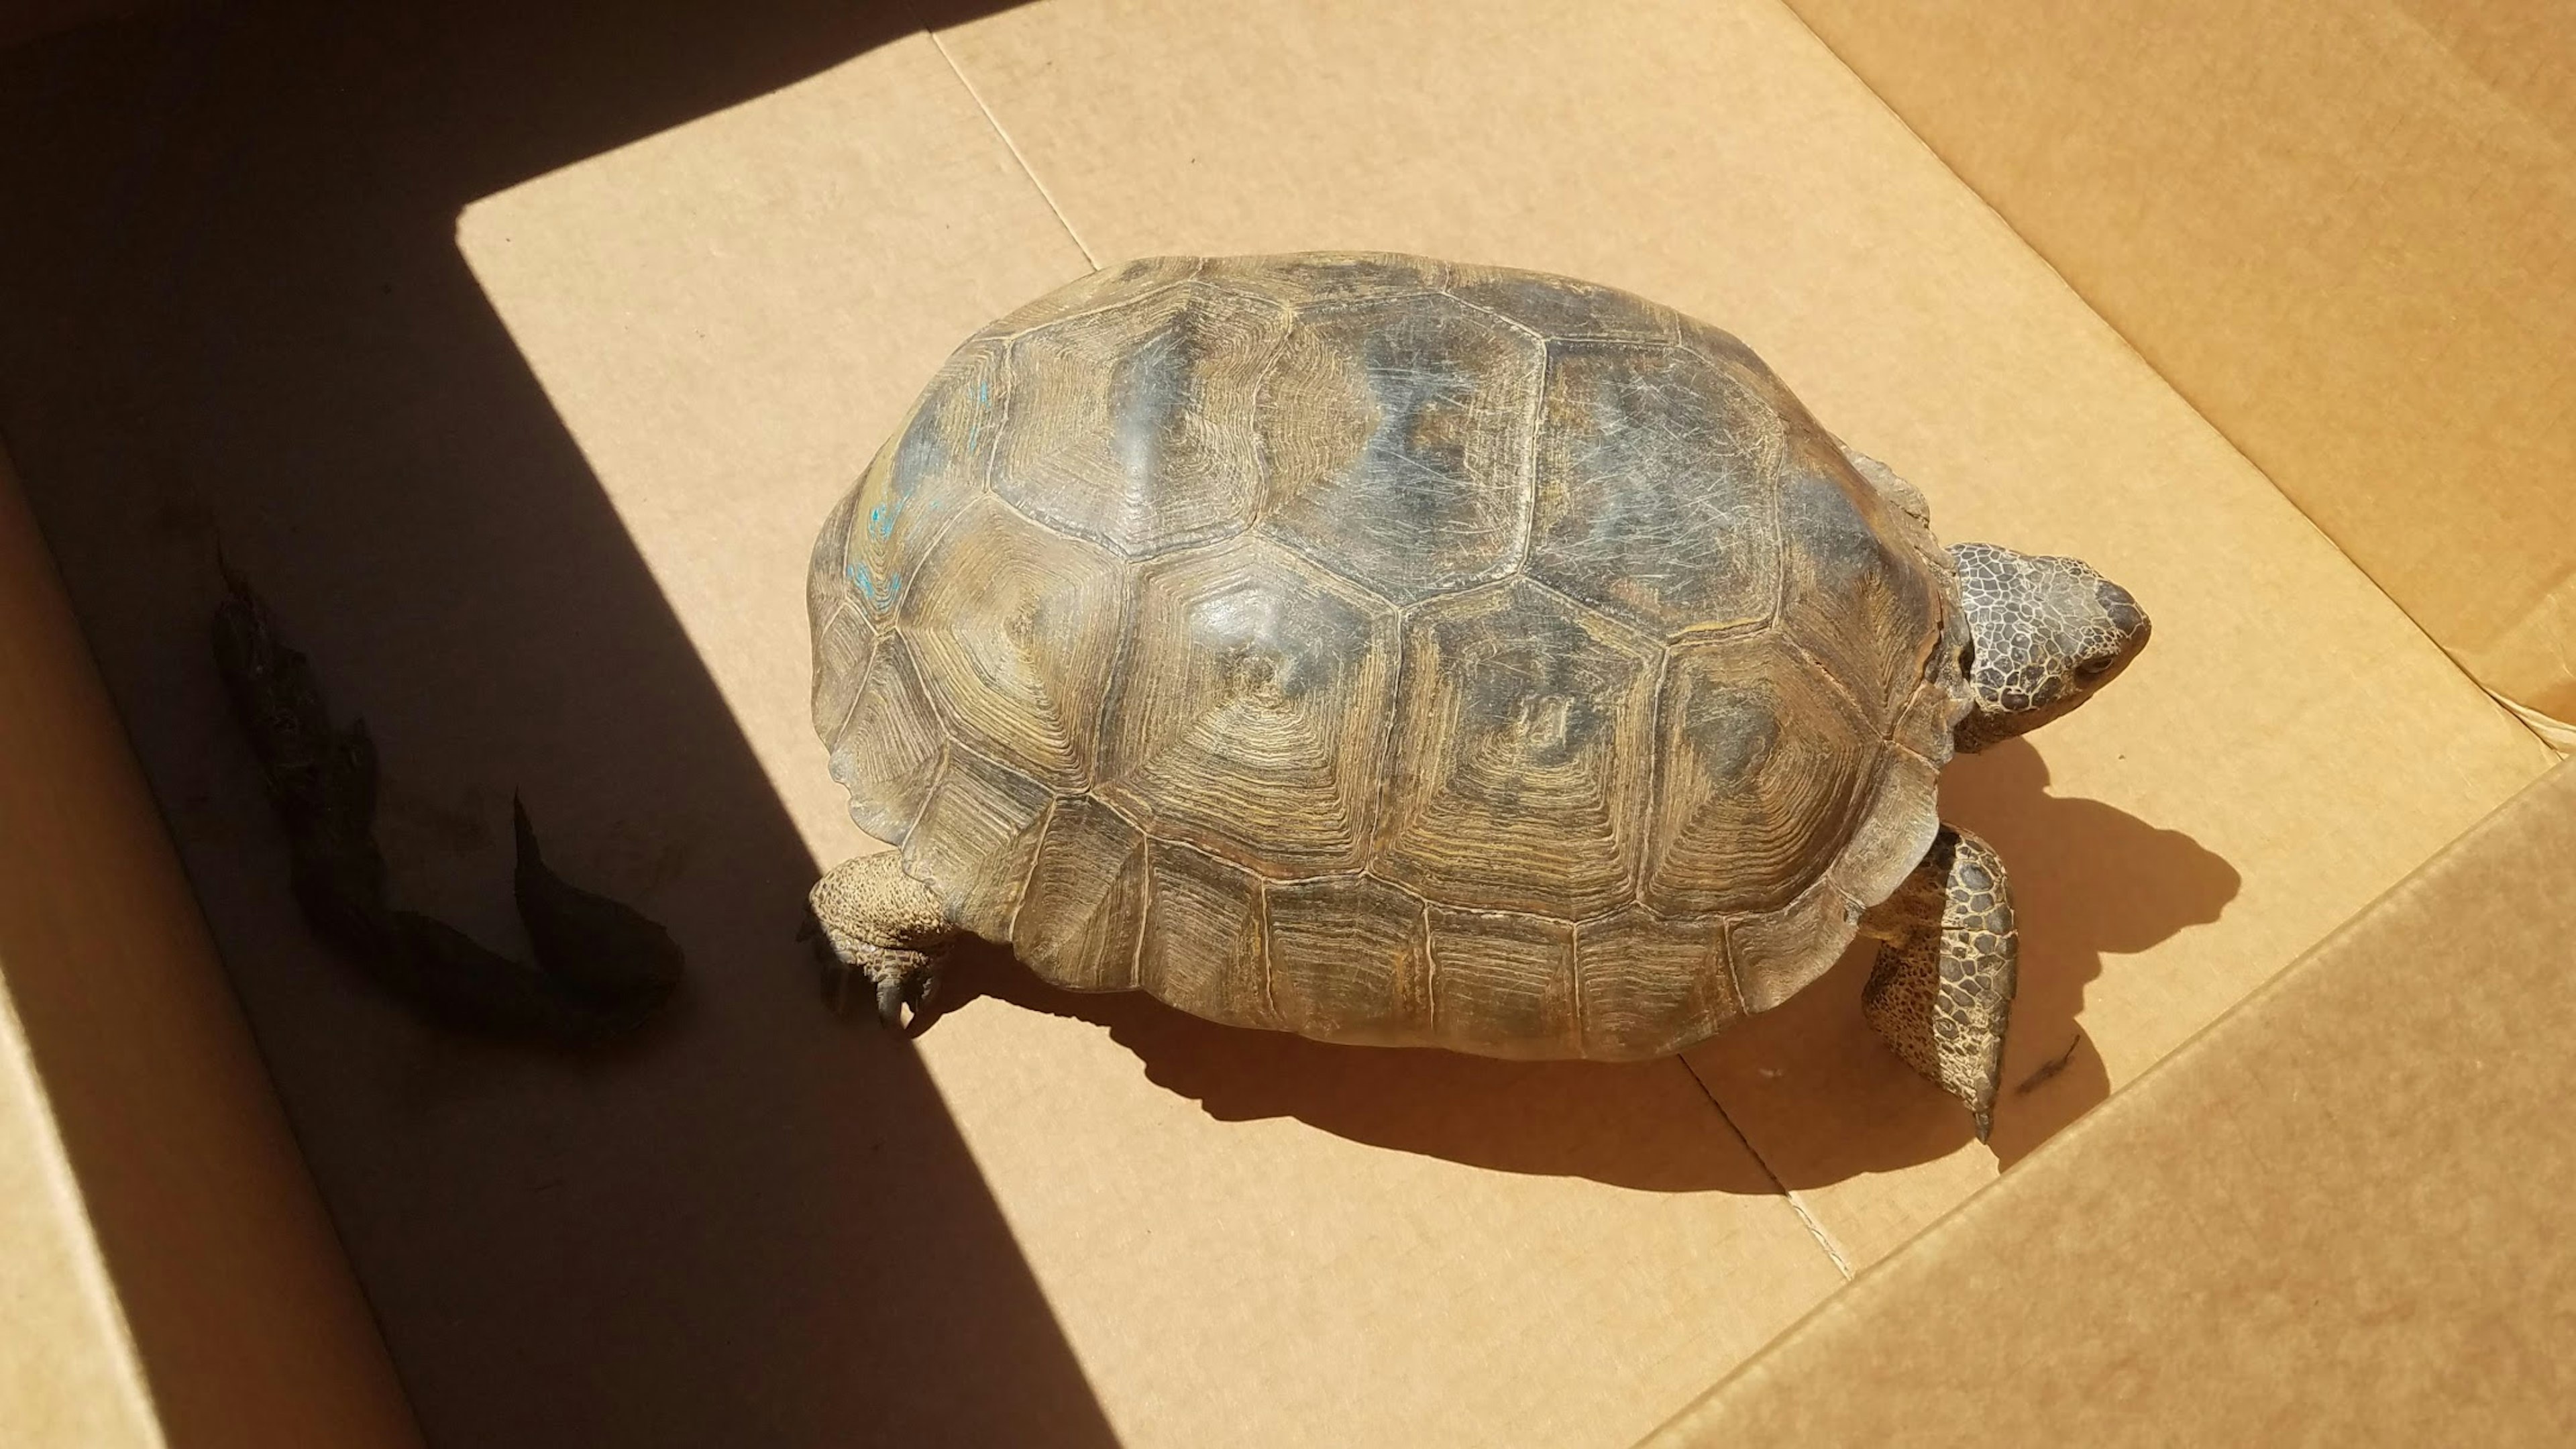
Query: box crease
<point>1004,135</point>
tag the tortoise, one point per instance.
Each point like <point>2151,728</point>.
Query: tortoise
<point>1401,652</point>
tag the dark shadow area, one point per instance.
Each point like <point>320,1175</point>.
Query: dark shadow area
<point>231,302</point>
<point>2088,880</point>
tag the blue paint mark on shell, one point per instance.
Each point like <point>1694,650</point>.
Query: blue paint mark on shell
<point>866,582</point>
<point>983,400</point>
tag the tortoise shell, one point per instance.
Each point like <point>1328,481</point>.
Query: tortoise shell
<point>1387,651</point>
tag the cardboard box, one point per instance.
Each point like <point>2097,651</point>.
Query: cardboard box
<point>517,352</point>
<point>2338,227</point>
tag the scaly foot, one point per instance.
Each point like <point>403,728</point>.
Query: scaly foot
<point>1941,992</point>
<point>876,923</point>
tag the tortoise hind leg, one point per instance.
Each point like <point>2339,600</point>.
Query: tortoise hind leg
<point>879,923</point>
<point>1941,991</point>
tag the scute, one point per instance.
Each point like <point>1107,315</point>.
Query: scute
<point>1131,424</point>
<point>1085,899</point>
<point>1397,437</point>
<point>1015,629</point>
<point>1765,767</point>
<point>886,748</point>
<point>1202,937</point>
<point>1311,277</point>
<point>844,646</point>
<point>974,840</point>
<point>827,588</point>
<point>924,476</point>
<point>1350,960</point>
<point>1503,985</point>
<point>1092,291</point>
<point>1778,953</point>
<point>1523,735</point>
<point>1895,832</point>
<point>1650,985</point>
<point>1250,710</point>
<point>1657,489</point>
<point>1562,309</point>
<point>1858,600</point>
<point>844,641</point>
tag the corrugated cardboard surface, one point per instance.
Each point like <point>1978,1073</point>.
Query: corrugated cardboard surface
<point>2339,227</point>
<point>511,348</point>
<point>2341,1217</point>
<point>167,1268</point>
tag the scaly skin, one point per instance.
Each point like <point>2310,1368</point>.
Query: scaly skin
<point>1941,992</point>
<point>880,923</point>
<point>2048,631</point>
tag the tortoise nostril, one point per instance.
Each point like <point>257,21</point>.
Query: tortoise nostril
<point>2121,608</point>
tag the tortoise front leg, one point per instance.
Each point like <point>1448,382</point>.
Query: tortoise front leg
<point>880,923</point>
<point>1941,992</point>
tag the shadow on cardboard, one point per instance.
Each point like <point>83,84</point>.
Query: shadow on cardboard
<point>2089,880</point>
<point>230,297</point>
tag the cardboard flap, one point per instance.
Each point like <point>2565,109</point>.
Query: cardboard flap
<point>166,1271</point>
<point>2340,1216</point>
<point>2338,228</point>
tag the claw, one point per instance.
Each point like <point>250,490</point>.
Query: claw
<point>890,1000</point>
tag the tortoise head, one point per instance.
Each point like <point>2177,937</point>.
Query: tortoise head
<point>2045,633</point>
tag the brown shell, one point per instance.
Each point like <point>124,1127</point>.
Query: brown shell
<point>1387,651</point>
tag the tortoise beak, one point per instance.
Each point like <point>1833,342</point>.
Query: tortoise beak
<point>2124,613</point>
<point>2130,629</point>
